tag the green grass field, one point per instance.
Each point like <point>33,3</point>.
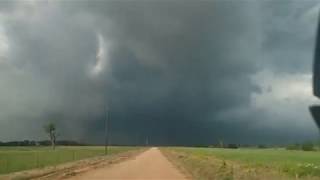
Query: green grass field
<point>291,163</point>
<point>14,159</point>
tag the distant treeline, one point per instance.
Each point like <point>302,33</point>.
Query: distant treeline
<point>307,146</point>
<point>230,146</point>
<point>236,146</point>
<point>41,143</point>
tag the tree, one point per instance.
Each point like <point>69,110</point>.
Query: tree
<point>221,144</point>
<point>307,147</point>
<point>51,131</point>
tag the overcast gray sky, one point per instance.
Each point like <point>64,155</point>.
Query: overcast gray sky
<point>178,72</point>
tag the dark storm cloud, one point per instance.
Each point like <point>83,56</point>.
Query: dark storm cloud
<point>289,28</point>
<point>171,61</point>
<point>176,72</point>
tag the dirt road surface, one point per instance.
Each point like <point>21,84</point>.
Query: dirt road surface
<point>149,165</point>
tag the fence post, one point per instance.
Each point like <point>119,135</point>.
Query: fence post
<point>37,159</point>
<point>57,156</point>
<point>7,168</point>
<point>1,165</point>
<point>74,155</point>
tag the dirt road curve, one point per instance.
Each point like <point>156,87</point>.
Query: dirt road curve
<point>148,165</point>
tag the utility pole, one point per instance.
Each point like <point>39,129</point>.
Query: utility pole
<point>106,129</point>
<point>147,141</point>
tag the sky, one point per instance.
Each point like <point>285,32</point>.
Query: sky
<point>173,72</point>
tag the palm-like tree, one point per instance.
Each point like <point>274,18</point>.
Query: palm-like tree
<point>51,131</point>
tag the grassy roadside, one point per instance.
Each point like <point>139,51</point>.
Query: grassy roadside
<point>73,168</point>
<point>15,159</point>
<point>208,163</point>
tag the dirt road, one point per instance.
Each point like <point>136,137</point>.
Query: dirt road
<point>148,165</point>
